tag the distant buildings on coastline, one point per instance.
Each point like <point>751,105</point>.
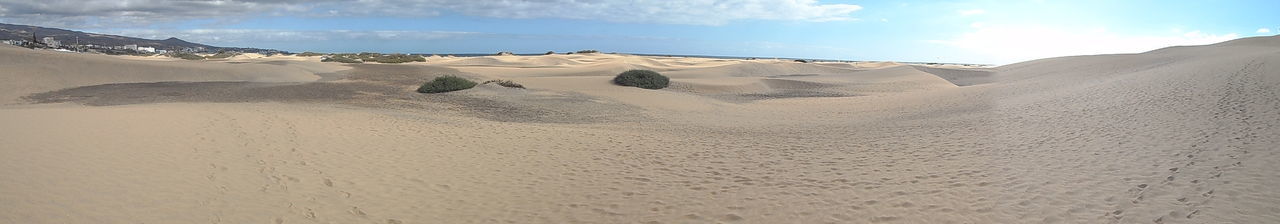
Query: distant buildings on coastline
<point>53,43</point>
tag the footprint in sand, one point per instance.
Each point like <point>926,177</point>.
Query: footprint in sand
<point>356,211</point>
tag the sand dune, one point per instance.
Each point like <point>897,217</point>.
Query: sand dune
<point>1177,135</point>
<point>29,71</point>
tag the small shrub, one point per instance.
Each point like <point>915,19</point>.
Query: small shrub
<point>802,61</point>
<point>309,54</point>
<point>550,53</point>
<point>505,53</point>
<point>643,79</point>
<point>588,51</point>
<point>446,83</point>
<point>505,83</point>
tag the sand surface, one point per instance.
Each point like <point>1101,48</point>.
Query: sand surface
<point>1177,135</point>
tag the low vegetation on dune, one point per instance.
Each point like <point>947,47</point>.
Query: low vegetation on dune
<point>341,58</point>
<point>190,56</point>
<point>446,83</point>
<point>222,55</point>
<point>395,58</point>
<point>588,51</point>
<point>309,54</point>
<point>373,57</point>
<point>643,79</point>
<point>550,53</point>
<point>505,83</point>
<point>187,56</point>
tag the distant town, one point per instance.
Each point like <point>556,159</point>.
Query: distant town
<point>35,37</point>
<point>55,44</point>
<point>52,43</point>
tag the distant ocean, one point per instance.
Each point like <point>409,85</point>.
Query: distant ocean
<point>658,55</point>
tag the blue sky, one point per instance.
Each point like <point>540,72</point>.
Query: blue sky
<point>992,32</point>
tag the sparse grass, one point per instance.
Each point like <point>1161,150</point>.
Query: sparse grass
<point>505,83</point>
<point>550,53</point>
<point>309,54</point>
<point>643,79</point>
<point>446,83</point>
<point>588,51</point>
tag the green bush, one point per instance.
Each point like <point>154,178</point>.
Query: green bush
<point>446,83</point>
<point>588,51</point>
<point>505,83</point>
<point>643,79</point>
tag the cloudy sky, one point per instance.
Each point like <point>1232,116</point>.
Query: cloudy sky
<point>969,31</point>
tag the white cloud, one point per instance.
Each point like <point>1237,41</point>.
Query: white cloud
<point>1264,30</point>
<point>122,13</point>
<point>972,12</point>
<point>1008,44</point>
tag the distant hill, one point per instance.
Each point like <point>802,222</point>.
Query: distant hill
<point>67,37</point>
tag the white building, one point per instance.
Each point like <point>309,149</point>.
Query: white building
<point>49,41</point>
<point>132,47</point>
<point>147,49</point>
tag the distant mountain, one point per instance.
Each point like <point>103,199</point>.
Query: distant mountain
<point>69,37</point>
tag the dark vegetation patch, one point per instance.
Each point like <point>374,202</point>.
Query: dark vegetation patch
<point>447,83</point>
<point>643,79</point>
<point>505,83</point>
